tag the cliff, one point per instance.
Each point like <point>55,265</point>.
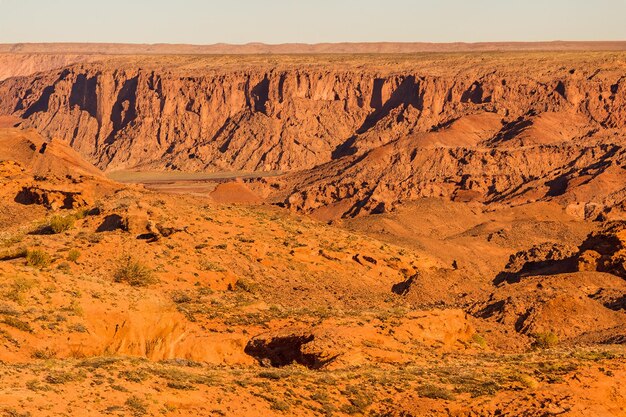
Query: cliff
<point>468,126</point>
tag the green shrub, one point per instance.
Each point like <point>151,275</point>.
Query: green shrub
<point>60,224</point>
<point>133,272</point>
<point>37,258</point>
<point>435,392</point>
<point>73,255</point>
<point>479,340</point>
<point>136,405</point>
<point>18,288</point>
<point>545,340</point>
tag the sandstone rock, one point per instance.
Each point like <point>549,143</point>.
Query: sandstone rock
<point>605,250</point>
<point>290,346</point>
<point>51,199</point>
<point>588,260</point>
<point>543,253</point>
<point>136,222</point>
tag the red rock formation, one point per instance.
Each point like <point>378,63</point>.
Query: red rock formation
<point>500,128</point>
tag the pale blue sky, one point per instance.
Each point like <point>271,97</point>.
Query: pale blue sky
<point>278,21</point>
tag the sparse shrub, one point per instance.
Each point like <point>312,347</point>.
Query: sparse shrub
<point>36,385</point>
<point>78,328</point>
<point>18,288</point>
<point>359,399</point>
<point>64,267</point>
<point>527,381</point>
<point>181,385</point>
<point>181,297</point>
<point>479,340</point>
<point>37,258</point>
<point>98,362</point>
<point>59,378</point>
<point>60,224</point>
<point>136,405</point>
<point>18,324</point>
<point>12,412</point>
<point>134,375</point>
<point>210,266</point>
<point>133,272</point>
<point>545,340</point>
<point>270,375</point>
<point>435,392</point>
<point>279,405</point>
<point>73,255</point>
<point>45,353</point>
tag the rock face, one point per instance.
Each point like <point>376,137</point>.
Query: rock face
<point>51,199</point>
<point>602,251</point>
<point>605,251</point>
<point>513,128</point>
<point>569,305</point>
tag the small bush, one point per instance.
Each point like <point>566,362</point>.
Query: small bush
<point>60,378</point>
<point>133,272</point>
<point>73,255</point>
<point>545,340</point>
<point>37,258</point>
<point>479,340</point>
<point>45,353</point>
<point>181,385</point>
<point>12,412</point>
<point>210,266</point>
<point>78,328</point>
<point>18,288</point>
<point>59,224</point>
<point>435,392</point>
<point>18,324</point>
<point>136,405</point>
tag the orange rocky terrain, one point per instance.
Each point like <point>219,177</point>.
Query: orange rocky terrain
<point>390,235</point>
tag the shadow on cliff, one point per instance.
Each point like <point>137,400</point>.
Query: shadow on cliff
<point>536,268</point>
<point>406,94</point>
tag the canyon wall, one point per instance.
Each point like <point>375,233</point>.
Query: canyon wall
<point>286,117</point>
<point>354,137</point>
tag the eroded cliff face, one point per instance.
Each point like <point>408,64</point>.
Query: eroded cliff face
<point>356,138</point>
<point>278,117</point>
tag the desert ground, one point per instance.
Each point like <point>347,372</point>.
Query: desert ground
<point>296,231</point>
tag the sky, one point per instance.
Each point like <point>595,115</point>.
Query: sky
<point>309,21</point>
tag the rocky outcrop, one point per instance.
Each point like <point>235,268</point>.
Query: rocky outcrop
<point>566,305</point>
<point>402,171</point>
<point>51,199</point>
<point>605,250</point>
<point>602,251</point>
